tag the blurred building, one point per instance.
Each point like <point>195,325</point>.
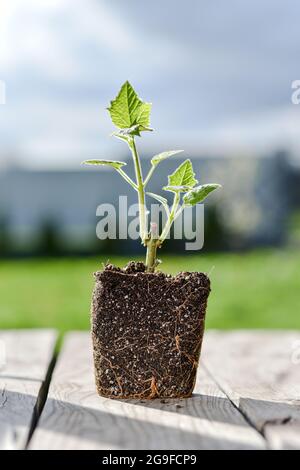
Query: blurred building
<point>55,211</point>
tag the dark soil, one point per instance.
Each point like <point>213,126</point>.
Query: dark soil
<point>147,331</point>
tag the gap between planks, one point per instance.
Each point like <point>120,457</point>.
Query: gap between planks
<point>41,398</point>
<point>26,357</point>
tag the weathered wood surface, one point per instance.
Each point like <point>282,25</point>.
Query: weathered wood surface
<point>75,417</point>
<point>24,360</point>
<point>260,373</point>
<point>247,396</point>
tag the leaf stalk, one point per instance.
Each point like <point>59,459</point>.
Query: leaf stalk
<point>140,189</point>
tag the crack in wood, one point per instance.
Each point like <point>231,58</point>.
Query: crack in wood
<point>241,411</point>
<point>3,403</point>
<point>42,396</point>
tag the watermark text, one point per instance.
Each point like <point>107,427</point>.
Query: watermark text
<point>295,98</point>
<point>123,222</point>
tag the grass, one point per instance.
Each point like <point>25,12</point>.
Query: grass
<point>259,289</point>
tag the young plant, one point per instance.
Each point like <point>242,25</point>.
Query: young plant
<point>131,116</point>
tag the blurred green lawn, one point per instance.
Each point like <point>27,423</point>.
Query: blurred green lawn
<point>260,289</point>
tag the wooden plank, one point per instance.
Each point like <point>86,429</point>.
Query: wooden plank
<point>260,373</point>
<point>75,417</point>
<point>24,361</point>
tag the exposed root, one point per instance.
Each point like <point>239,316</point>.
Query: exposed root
<point>154,392</point>
<point>177,338</point>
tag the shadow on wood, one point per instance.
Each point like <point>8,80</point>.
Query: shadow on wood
<point>68,426</point>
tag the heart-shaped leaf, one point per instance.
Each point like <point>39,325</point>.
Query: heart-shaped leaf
<point>128,110</point>
<point>182,179</point>
<point>197,195</point>
<point>163,155</point>
<point>112,163</point>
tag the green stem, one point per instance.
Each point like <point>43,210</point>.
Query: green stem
<point>147,179</point>
<point>140,190</point>
<point>152,245</point>
<point>171,218</point>
<point>127,178</point>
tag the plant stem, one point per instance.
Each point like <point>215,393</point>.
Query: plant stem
<point>152,244</point>
<point>126,178</point>
<point>151,255</point>
<point>140,190</point>
<point>171,218</point>
<point>147,179</point>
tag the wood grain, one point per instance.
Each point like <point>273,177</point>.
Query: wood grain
<point>24,361</point>
<point>260,373</point>
<point>75,417</point>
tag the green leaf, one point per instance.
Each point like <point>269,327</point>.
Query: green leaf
<point>162,200</point>
<point>128,110</point>
<point>143,114</point>
<point>112,163</point>
<point>162,156</point>
<point>182,179</point>
<point>197,195</point>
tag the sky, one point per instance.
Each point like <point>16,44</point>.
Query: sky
<point>219,75</point>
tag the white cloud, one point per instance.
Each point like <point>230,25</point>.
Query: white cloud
<point>215,81</point>
<point>46,35</point>
<point>27,41</point>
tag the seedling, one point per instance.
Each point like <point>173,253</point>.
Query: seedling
<point>131,116</point>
